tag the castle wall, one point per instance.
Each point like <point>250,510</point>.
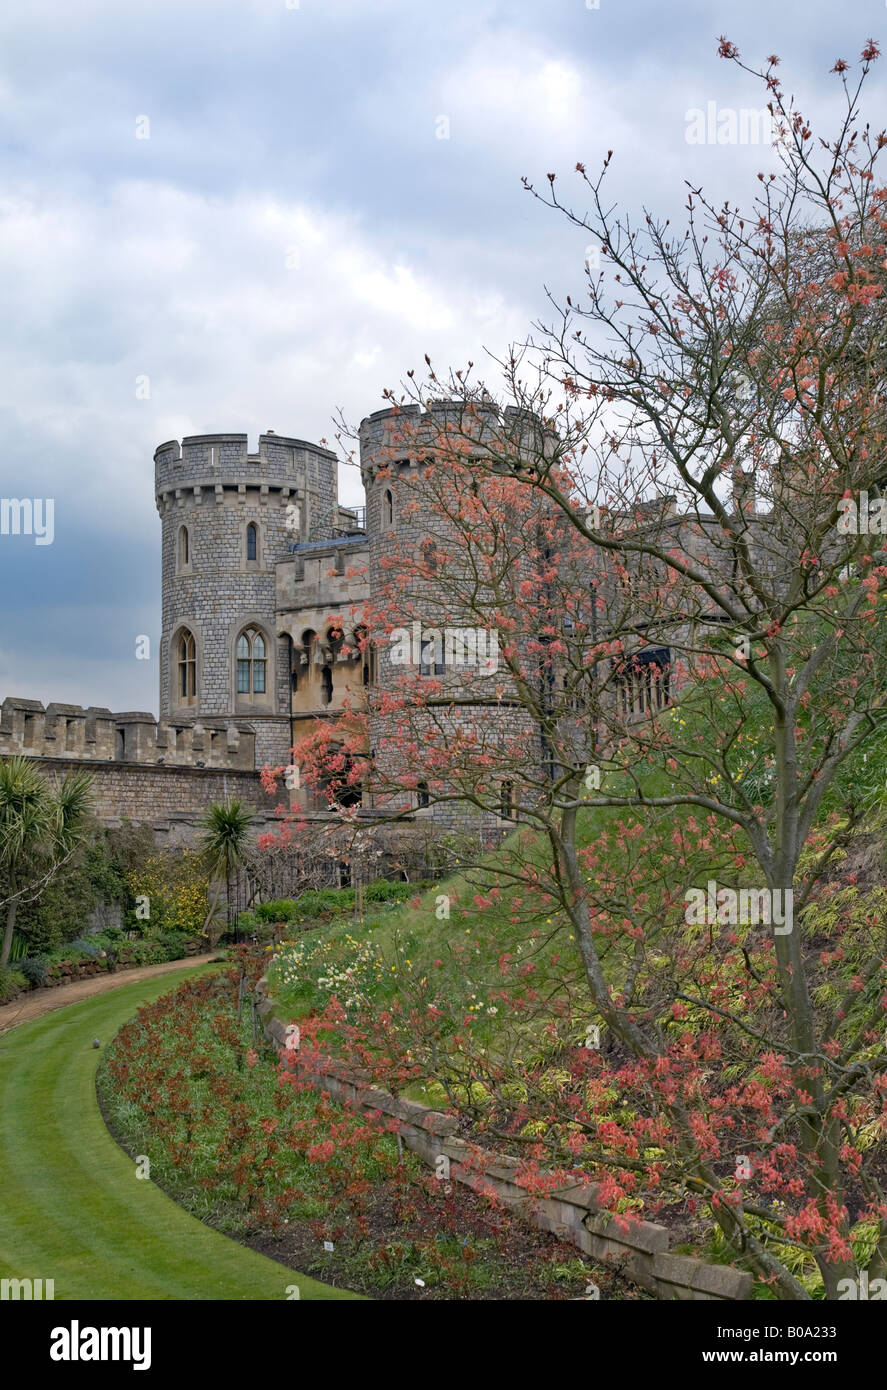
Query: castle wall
<point>143,770</point>
<point>97,735</point>
<point>171,800</point>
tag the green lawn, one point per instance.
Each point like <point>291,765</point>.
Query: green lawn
<point>72,1207</point>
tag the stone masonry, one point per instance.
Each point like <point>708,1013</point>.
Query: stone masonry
<point>259,557</point>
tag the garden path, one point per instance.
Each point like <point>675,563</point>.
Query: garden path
<point>38,1002</point>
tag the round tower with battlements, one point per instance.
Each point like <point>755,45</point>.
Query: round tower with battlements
<point>228,517</point>
<point>448,633</point>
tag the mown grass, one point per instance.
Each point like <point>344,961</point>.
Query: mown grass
<point>73,1209</point>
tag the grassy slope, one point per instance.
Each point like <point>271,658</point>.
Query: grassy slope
<point>414,939</point>
<point>73,1209</point>
<point>468,945</point>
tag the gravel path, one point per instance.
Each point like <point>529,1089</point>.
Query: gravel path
<point>42,1001</point>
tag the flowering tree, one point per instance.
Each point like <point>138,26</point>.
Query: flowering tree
<point>672,533</point>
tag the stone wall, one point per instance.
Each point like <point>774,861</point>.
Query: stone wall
<point>639,1249</point>
<point>170,799</point>
<point>148,771</point>
<point>97,735</point>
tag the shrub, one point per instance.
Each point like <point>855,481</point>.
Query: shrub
<point>175,886</point>
<point>12,982</point>
<point>173,944</point>
<point>381,890</point>
<point>325,902</point>
<point>85,950</point>
<point>92,877</point>
<point>34,969</point>
<point>148,951</point>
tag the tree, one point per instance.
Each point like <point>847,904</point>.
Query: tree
<point>680,502</point>
<point>40,829</point>
<point>226,840</point>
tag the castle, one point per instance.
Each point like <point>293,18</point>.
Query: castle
<point>263,576</point>
<point>265,582</point>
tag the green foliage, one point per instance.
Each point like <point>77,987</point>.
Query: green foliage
<point>12,982</point>
<point>34,969</point>
<point>92,876</point>
<point>113,947</point>
<point>173,944</point>
<point>41,827</point>
<point>319,905</point>
<point>20,947</point>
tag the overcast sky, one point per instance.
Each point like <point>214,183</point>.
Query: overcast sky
<point>328,191</point>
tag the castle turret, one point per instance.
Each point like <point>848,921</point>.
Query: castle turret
<point>228,518</point>
<point>421,575</point>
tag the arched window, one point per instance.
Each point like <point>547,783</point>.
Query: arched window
<point>388,508</point>
<point>252,542</point>
<point>422,795</point>
<point>187,663</point>
<point>326,685</point>
<point>251,663</point>
<point>184,548</point>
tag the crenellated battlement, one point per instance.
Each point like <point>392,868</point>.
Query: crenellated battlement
<point>211,460</point>
<point>402,436</point>
<point>96,735</point>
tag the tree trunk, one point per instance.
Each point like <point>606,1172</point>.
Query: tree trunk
<point>209,916</point>
<point>7,935</point>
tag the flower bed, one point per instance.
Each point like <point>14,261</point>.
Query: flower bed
<point>255,1151</point>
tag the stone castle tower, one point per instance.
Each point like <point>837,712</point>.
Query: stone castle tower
<point>266,585</point>
<point>229,517</point>
<point>265,581</point>
<point>395,446</point>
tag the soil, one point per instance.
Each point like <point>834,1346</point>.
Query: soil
<point>518,1245</point>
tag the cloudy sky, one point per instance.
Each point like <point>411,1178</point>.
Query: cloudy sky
<point>328,190</point>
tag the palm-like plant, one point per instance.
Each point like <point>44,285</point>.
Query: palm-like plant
<point>40,828</point>
<point>225,839</point>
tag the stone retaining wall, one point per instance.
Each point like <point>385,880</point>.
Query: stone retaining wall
<point>639,1248</point>
<point>67,971</point>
